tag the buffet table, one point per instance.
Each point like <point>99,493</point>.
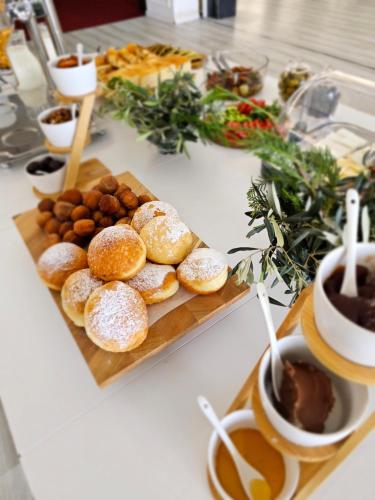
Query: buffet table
<point>143,436</point>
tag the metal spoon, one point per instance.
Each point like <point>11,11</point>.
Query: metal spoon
<point>277,364</point>
<point>80,53</point>
<point>253,483</point>
<point>349,283</point>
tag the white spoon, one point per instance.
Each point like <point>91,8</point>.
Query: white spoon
<point>73,110</point>
<point>253,483</point>
<point>349,283</point>
<point>80,53</point>
<point>277,365</point>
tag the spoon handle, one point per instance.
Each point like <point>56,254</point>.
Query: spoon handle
<point>349,284</point>
<point>277,363</point>
<point>212,417</point>
<point>80,53</point>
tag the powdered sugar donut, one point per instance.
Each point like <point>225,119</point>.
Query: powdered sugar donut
<point>204,271</point>
<point>168,240</point>
<point>116,317</point>
<point>155,283</point>
<point>75,293</point>
<point>58,262</point>
<point>149,210</point>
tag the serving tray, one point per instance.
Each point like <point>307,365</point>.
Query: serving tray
<point>106,366</point>
<point>312,470</point>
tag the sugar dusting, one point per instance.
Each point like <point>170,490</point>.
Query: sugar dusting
<point>80,285</point>
<point>151,277</point>
<point>150,210</point>
<point>172,229</point>
<point>113,234</point>
<point>203,263</point>
<point>118,314</point>
<point>59,257</point>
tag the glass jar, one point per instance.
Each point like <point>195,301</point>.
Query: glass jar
<point>292,77</point>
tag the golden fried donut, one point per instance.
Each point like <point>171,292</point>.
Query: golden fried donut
<point>116,317</point>
<point>204,271</point>
<point>149,210</point>
<point>167,239</point>
<point>155,283</point>
<point>58,262</point>
<point>116,253</point>
<point>75,292</point>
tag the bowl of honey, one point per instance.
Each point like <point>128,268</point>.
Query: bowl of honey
<point>280,472</point>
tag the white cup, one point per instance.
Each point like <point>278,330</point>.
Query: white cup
<point>347,338</point>
<point>351,399</point>
<point>76,81</point>
<point>244,419</point>
<point>47,183</point>
<point>60,135</point>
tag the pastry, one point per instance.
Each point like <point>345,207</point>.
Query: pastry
<point>109,204</point>
<point>63,210</point>
<point>73,196</point>
<point>75,292</point>
<point>149,210</point>
<point>80,212</point>
<point>116,253</point>
<point>43,217</point>
<point>129,199</point>
<point>46,205</point>
<point>108,184</point>
<point>72,237</point>
<point>155,283</point>
<point>84,227</point>
<point>91,199</point>
<point>116,317</point>
<point>52,226</point>
<point>168,240</point>
<point>58,262</point>
<point>204,271</point>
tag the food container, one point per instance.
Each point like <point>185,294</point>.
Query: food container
<point>244,419</point>
<point>60,135</point>
<point>342,335</point>
<point>294,75</point>
<point>48,183</point>
<point>241,73</point>
<point>351,399</point>
<point>75,81</point>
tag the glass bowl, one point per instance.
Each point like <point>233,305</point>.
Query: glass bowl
<point>240,72</point>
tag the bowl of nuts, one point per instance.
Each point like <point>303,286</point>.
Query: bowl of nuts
<point>239,72</point>
<point>59,125</point>
<point>46,173</point>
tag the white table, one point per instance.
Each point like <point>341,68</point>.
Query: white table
<point>142,437</point>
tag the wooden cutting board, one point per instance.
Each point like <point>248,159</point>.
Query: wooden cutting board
<point>106,366</point>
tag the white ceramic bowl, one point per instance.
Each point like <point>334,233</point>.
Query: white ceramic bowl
<point>244,419</point>
<point>60,135</point>
<point>345,337</point>
<point>76,81</point>
<point>351,400</point>
<point>47,183</point>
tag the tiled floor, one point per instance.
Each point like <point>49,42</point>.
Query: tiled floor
<point>335,32</point>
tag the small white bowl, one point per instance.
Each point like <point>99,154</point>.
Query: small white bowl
<point>244,419</point>
<point>77,81</point>
<point>351,399</point>
<point>347,338</point>
<point>47,183</point>
<point>60,135</point>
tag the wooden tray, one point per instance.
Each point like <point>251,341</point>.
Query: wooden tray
<point>312,474</point>
<point>106,366</point>
<point>331,359</point>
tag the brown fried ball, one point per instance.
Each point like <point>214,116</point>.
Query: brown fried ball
<point>65,227</point>
<point>121,212</point>
<point>132,212</point>
<point>108,184</point>
<point>80,212</point>
<point>129,200</point>
<point>106,221</point>
<point>52,226</point>
<point>109,204</point>
<point>144,198</point>
<point>97,215</point>
<point>72,237</point>
<point>46,205</point>
<point>91,199</point>
<point>84,227</point>
<point>124,220</point>
<point>72,196</point>
<point>121,189</point>
<point>51,239</point>
<point>63,210</point>
<point>97,230</point>
<point>43,217</point>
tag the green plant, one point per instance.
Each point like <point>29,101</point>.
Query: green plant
<point>167,116</point>
<point>300,204</point>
